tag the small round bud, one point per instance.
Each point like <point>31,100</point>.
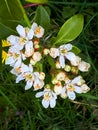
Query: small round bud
<point>46,51</point>
<point>67,68</point>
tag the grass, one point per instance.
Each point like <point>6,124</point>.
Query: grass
<point>20,110</point>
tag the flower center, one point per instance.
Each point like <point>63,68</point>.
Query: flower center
<point>63,51</point>
<point>22,40</point>
<point>37,31</point>
<point>47,96</point>
<point>16,56</point>
<point>70,87</point>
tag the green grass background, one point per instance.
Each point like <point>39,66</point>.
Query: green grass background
<point>20,110</point>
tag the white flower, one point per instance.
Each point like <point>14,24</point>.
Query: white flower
<point>49,98</point>
<point>38,30</point>
<point>14,57</point>
<point>83,66</point>
<point>64,53</point>
<point>15,41</point>
<point>76,62</point>
<point>38,80</point>
<point>26,36</point>
<point>61,76</point>
<point>25,33</point>
<point>27,74</point>
<point>72,87</point>
<point>29,50</point>
<point>54,52</point>
<point>35,57</point>
<point>85,88</point>
<point>29,77</point>
<point>58,88</point>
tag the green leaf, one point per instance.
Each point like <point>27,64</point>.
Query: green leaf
<point>42,17</point>
<point>70,29</point>
<point>12,14</point>
<point>37,1</point>
<point>75,50</point>
<point>5,31</point>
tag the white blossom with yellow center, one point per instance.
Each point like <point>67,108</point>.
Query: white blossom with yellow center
<point>74,86</point>
<point>49,98</point>
<point>14,57</point>
<point>64,53</point>
<point>38,30</point>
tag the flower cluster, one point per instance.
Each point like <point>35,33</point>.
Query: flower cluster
<point>26,53</point>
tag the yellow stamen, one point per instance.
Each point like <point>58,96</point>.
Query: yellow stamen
<point>37,87</point>
<point>63,51</point>
<point>70,88</point>
<point>5,43</point>
<point>37,31</point>
<point>22,40</point>
<point>4,56</point>
<point>47,96</point>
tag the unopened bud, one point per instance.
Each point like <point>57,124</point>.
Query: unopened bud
<point>46,51</point>
<point>58,66</point>
<point>67,68</point>
<point>74,70</point>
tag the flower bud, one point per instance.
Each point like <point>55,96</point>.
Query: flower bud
<point>58,66</point>
<point>74,70</point>
<point>46,51</point>
<point>54,52</point>
<point>85,88</point>
<point>67,68</point>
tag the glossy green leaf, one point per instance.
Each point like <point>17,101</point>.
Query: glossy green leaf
<point>37,1</point>
<point>42,17</point>
<point>70,29</point>
<point>12,14</point>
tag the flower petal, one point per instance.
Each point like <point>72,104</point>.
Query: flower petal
<point>29,49</point>
<point>52,102</point>
<point>39,94</point>
<point>18,63</point>
<point>34,26</point>
<point>14,72</point>
<point>13,39</point>
<point>19,78</point>
<point>68,47</point>
<point>30,34</point>
<point>21,30</point>
<point>85,88</point>
<point>10,60</point>
<point>84,66</point>
<point>78,89</point>
<point>71,56</point>
<point>71,95</point>
<point>76,80</point>
<point>62,61</point>
<point>45,103</point>
<point>28,85</point>
<point>24,68</point>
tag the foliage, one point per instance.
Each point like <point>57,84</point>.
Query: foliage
<point>20,109</point>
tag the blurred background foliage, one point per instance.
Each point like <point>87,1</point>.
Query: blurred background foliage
<point>20,110</point>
